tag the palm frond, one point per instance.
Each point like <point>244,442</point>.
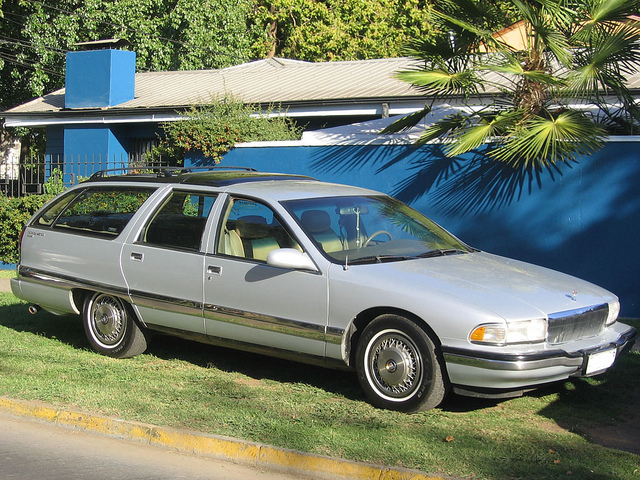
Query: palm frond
<point>442,81</point>
<point>542,142</point>
<point>475,36</point>
<point>574,51</point>
<point>486,128</point>
<point>438,49</point>
<point>601,15</point>
<point>605,67</point>
<point>557,13</point>
<point>406,122</point>
<point>616,46</point>
<point>546,23</point>
<point>513,67</point>
<point>443,128</point>
<point>543,78</point>
<point>558,44</point>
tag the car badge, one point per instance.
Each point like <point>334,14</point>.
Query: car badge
<point>574,295</point>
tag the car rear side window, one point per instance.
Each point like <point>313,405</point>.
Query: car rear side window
<point>180,221</point>
<point>95,211</point>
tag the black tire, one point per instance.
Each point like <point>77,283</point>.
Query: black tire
<point>111,327</point>
<point>399,367</point>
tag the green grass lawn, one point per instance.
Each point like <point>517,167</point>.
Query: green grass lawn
<point>218,391</point>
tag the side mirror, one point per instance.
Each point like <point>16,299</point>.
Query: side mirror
<point>290,258</point>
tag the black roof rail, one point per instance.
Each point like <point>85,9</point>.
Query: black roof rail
<point>164,171</point>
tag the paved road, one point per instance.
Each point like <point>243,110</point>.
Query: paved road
<point>31,450</point>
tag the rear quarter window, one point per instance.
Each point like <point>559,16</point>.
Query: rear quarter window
<point>95,211</point>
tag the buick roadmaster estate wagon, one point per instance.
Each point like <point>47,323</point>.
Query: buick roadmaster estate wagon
<point>318,272</point>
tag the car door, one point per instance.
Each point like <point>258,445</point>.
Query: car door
<point>250,302</point>
<point>163,267</point>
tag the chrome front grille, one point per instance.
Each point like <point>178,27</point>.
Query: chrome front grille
<point>577,324</point>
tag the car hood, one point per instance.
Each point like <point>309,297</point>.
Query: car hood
<point>509,288</point>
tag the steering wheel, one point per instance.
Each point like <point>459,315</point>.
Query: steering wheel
<point>375,234</point>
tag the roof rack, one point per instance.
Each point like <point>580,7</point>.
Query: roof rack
<point>165,171</point>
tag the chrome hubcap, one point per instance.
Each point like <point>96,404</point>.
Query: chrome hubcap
<point>394,364</point>
<point>391,366</point>
<point>109,320</point>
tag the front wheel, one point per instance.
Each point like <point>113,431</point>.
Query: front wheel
<point>399,367</point>
<point>111,328</point>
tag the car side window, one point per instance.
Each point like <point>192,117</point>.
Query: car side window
<point>251,230</point>
<point>180,221</point>
<point>95,211</point>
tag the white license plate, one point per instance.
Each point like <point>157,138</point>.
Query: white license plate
<point>600,361</point>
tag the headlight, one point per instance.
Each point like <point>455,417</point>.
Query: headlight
<point>614,311</point>
<point>528,331</point>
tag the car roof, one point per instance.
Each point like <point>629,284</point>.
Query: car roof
<point>238,180</point>
<point>211,176</point>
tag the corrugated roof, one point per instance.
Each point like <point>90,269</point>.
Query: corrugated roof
<point>274,80</point>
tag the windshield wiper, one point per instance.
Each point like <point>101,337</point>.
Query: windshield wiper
<point>378,259</point>
<point>441,252</point>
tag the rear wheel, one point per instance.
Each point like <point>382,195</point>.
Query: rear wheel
<point>111,327</point>
<point>399,367</point>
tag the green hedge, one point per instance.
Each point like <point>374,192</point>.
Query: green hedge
<point>14,214</point>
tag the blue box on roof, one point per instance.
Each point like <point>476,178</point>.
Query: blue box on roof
<point>99,78</point>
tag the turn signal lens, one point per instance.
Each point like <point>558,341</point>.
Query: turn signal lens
<point>490,333</point>
<point>477,335</point>
<point>614,311</point>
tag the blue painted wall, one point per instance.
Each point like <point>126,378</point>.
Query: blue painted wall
<point>90,148</point>
<point>94,79</point>
<point>83,149</point>
<point>55,141</point>
<point>99,78</point>
<point>585,222</point>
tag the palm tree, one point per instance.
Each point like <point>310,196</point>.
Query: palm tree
<point>553,98</point>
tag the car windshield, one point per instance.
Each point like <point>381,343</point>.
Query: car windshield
<point>371,229</point>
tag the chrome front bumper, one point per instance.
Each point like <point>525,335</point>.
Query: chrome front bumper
<point>507,371</point>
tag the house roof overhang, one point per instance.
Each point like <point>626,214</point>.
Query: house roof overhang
<point>366,88</point>
<point>301,109</point>
<point>302,89</point>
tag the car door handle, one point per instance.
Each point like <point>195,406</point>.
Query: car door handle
<point>137,257</point>
<point>214,270</point>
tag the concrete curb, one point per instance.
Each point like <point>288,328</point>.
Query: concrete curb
<point>222,448</point>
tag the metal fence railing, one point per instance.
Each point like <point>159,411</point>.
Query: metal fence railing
<point>52,173</point>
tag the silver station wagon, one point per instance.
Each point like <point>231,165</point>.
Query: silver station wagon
<point>317,272</point>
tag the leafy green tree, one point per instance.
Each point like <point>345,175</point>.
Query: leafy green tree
<point>14,215</point>
<point>214,129</point>
<point>166,35</point>
<point>316,30</point>
<point>558,96</point>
